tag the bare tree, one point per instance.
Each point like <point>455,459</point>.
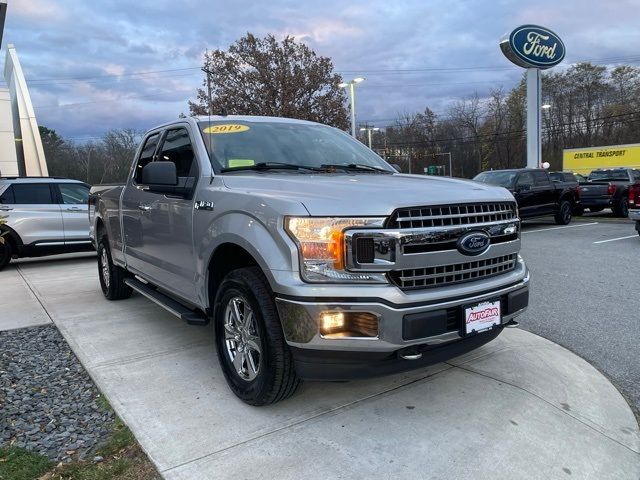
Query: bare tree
<point>261,76</point>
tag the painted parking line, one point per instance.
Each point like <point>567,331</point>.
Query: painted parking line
<point>616,239</point>
<point>558,228</point>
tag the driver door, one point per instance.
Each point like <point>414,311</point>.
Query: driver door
<point>158,227</point>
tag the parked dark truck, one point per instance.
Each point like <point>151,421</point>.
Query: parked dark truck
<point>537,193</point>
<point>609,188</point>
<point>634,204</point>
<point>313,257</point>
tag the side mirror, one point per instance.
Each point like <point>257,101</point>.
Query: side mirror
<point>160,174</point>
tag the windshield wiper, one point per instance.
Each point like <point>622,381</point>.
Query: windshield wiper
<point>355,167</point>
<point>272,166</point>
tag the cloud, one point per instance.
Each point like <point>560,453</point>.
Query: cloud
<point>70,50</point>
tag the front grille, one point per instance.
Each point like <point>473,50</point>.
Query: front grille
<point>455,273</point>
<point>451,215</point>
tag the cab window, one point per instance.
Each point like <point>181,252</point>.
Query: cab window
<point>525,179</point>
<point>32,194</point>
<point>146,155</point>
<point>541,178</point>
<point>177,148</point>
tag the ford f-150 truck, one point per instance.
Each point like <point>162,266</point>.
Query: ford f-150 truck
<point>609,188</point>
<point>311,255</point>
<point>537,193</point>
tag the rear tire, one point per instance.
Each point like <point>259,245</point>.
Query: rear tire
<point>622,208</point>
<point>5,253</point>
<point>254,356</point>
<point>111,276</point>
<point>563,216</point>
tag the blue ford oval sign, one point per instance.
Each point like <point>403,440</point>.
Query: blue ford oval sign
<point>474,243</point>
<point>532,46</point>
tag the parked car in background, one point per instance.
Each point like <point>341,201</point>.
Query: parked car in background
<point>609,188</point>
<point>536,193</point>
<point>568,177</point>
<point>634,204</point>
<point>44,216</point>
<point>313,257</point>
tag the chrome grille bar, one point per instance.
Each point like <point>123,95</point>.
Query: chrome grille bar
<point>438,276</point>
<point>449,215</point>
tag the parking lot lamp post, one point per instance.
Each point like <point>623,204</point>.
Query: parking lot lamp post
<point>352,97</point>
<point>369,130</point>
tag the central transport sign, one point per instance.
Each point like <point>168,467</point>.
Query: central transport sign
<point>532,46</point>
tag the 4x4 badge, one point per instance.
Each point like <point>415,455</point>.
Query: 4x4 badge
<point>202,205</point>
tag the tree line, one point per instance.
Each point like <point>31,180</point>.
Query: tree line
<point>589,105</point>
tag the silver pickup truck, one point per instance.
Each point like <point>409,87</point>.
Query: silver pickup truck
<point>312,256</point>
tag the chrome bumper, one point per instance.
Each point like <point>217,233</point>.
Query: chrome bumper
<point>301,326</point>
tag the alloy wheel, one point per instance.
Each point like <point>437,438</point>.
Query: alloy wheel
<point>104,267</point>
<point>242,340</point>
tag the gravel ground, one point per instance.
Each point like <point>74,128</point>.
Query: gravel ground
<point>48,403</point>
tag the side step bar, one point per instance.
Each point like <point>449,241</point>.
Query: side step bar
<point>169,304</point>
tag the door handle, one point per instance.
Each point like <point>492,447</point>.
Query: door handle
<point>73,209</point>
<point>5,209</point>
<point>144,208</point>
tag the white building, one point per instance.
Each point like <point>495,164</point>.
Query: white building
<point>21,150</point>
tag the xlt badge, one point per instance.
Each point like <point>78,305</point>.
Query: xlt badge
<point>202,205</point>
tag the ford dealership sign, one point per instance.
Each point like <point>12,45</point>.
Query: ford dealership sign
<point>532,46</point>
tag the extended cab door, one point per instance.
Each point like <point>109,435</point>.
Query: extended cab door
<point>72,198</point>
<point>158,228</point>
<point>32,212</point>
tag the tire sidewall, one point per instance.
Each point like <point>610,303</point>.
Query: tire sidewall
<point>235,285</point>
<point>564,212</point>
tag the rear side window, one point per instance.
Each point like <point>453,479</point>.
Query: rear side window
<point>177,148</point>
<point>146,155</point>
<point>32,193</point>
<point>7,196</point>
<point>73,193</point>
<point>541,178</point>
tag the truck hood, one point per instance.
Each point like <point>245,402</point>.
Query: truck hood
<point>364,194</point>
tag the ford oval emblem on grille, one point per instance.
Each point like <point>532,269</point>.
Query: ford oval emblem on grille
<point>474,243</point>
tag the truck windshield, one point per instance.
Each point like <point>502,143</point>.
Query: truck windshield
<point>242,145</point>
<point>501,179</point>
<point>608,175</point>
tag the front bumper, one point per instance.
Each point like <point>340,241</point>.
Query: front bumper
<point>340,359</point>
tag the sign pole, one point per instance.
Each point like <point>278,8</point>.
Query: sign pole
<point>534,154</point>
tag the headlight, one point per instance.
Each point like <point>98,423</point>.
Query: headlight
<point>321,245</point>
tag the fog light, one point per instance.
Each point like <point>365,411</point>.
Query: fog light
<point>331,322</point>
<point>348,325</point>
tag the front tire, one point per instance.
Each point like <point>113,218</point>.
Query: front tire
<point>254,356</point>
<point>111,276</point>
<point>563,216</point>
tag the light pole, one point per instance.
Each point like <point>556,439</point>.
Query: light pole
<point>352,95</point>
<point>369,130</point>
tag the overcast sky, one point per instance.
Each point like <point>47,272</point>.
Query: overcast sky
<point>83,59</point>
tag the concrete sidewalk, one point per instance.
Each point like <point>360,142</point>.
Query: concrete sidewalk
<point>520,407</point>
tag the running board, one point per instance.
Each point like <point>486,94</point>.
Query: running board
<point>169,304</point>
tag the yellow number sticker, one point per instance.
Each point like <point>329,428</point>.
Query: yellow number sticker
<point>226,128</point>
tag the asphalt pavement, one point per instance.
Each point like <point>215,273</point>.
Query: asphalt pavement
<point>585,293</point>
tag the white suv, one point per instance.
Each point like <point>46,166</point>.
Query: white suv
<point>44,216</point>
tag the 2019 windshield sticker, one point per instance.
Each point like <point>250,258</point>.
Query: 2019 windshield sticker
<point>226,128</point>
